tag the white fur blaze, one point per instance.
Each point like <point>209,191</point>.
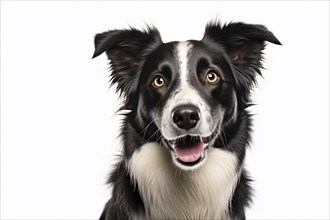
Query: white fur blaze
<point>185,94</point>
<point>183,50</point>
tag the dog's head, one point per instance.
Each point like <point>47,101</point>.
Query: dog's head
<point>184,94</point>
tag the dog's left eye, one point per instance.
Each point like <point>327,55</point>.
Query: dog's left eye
<point>212,77</point>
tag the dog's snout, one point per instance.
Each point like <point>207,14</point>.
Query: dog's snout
<point>186,117</point>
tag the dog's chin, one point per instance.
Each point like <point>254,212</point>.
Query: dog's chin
<point>189,152</point>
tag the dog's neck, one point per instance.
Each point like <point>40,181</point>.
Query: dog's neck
<point>170,193</point>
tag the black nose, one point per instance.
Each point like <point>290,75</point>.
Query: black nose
<point>185,116</point>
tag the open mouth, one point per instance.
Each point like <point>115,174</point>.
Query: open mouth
<point>189,150</point>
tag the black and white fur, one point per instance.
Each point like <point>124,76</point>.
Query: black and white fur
<point>162,173</point>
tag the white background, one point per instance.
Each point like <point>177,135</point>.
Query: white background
<point>58,123</point>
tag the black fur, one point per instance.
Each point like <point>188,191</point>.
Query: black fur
<point>134,54</point>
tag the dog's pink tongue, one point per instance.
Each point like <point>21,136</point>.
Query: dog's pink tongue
<point>189,152</point>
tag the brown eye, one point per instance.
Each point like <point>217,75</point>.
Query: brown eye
<point>212,77</point>
<point>158,82</point>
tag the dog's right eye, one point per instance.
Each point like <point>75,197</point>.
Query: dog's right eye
<point>158,82</point>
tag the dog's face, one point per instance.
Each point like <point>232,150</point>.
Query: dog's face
<point>185,93</point>
<point>186,89</point>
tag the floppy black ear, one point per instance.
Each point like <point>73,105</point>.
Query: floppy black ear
<point>126,50</point>
<point>243,43</point>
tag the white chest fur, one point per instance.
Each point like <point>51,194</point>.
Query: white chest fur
<point>171,193</point>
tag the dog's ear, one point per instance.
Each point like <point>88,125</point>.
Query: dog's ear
<point>244,44</point>
<point>126,50</point>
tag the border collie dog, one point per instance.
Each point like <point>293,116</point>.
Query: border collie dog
<point>186,128</point>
